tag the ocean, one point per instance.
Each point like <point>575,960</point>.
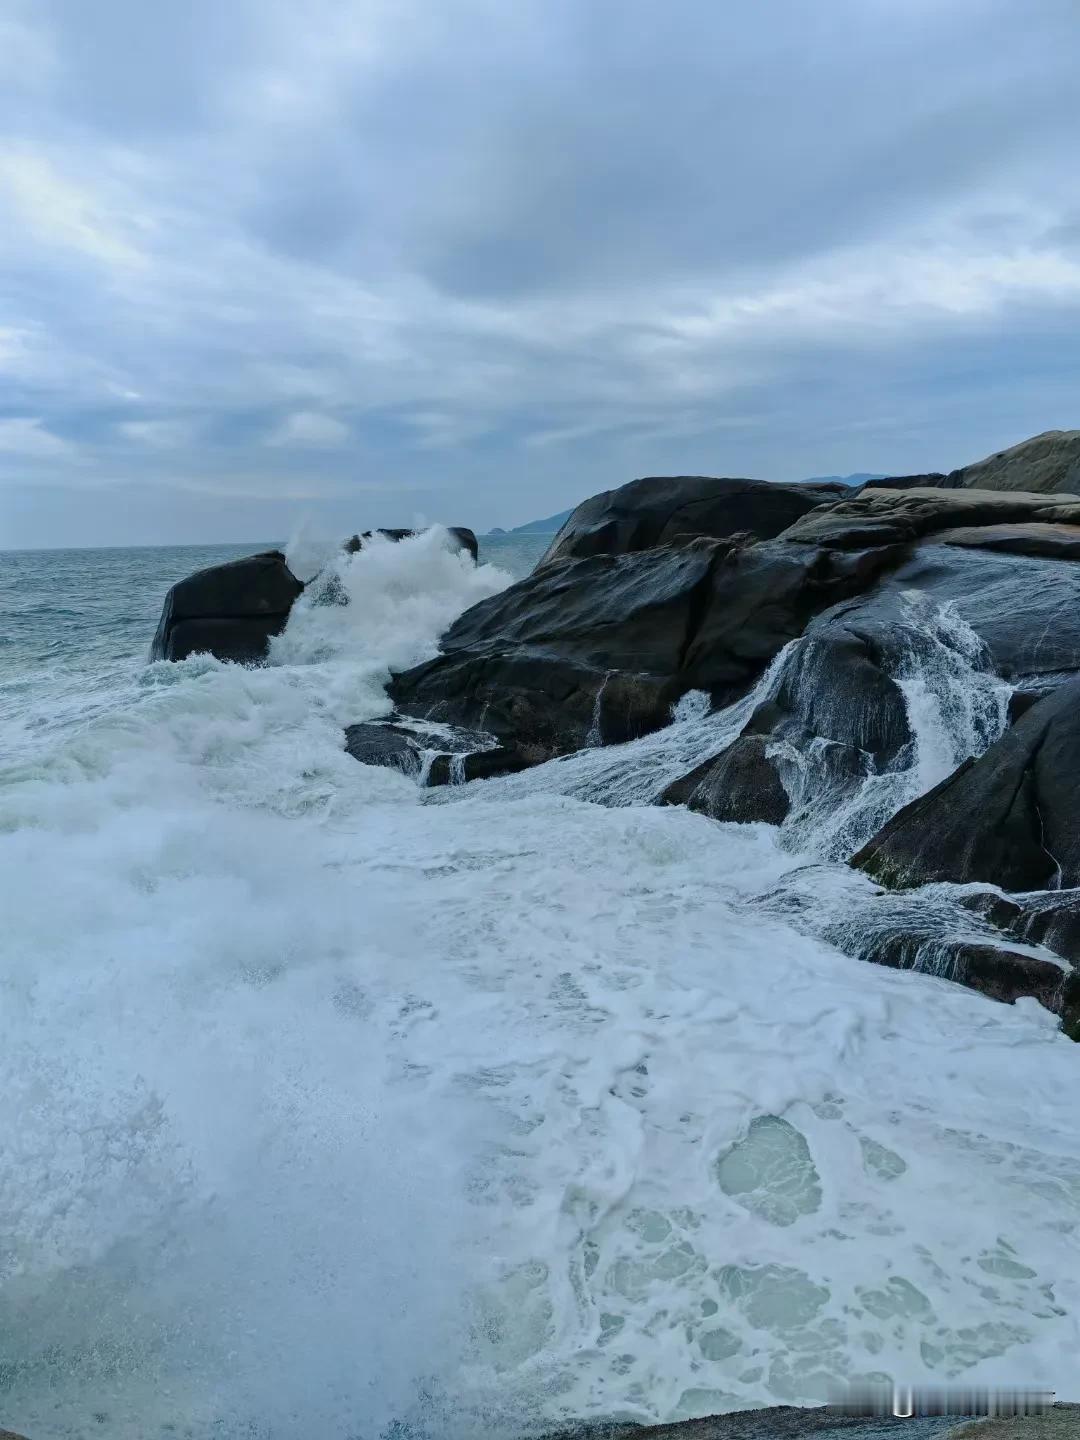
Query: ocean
<point>338,1109</point>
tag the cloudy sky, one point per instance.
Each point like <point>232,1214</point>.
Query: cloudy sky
<point>354,262</point>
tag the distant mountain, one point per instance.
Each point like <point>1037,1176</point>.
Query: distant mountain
<point>859,479</point>
<point>538,527</point>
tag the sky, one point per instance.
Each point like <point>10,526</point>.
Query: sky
<point>267,265</point>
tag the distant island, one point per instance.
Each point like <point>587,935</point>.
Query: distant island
<point>537,527</point>
<point>555,522</point>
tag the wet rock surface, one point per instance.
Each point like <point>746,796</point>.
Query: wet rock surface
<point>741,784</point>
<point>1010,817</point>
<point>604,646</point>
<point>435,759</point>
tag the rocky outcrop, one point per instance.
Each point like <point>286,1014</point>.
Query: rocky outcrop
<point>1048,464</point>
<point>1011,817</point>
<point>878,516</point>
<point>656,511</point>
<point>902,600</point>
<point>602,647</point>
<point>230,610</point>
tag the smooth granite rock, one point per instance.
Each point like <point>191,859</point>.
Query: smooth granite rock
<point>230,611</point>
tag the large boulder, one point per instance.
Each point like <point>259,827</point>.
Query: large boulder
<point>1011,817</point>
<point>659,509</point>
<point>1047,464</point>
<point>230,611</point>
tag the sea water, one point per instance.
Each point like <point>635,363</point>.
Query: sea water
<point>336,1109</point>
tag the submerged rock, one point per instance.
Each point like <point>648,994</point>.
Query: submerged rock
<point>655,511</point>
<point>230,611</point>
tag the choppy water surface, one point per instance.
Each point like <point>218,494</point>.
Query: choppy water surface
<point>331,1106</point>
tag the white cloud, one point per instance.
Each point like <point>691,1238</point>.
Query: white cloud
<point>25,435</point>
<point>158,434</point>
<point>308,429</point>
<point>59,211</point>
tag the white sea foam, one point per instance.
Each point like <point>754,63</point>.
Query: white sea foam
<point>326,1105</point>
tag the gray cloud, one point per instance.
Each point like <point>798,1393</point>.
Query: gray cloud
<point>355,262</point>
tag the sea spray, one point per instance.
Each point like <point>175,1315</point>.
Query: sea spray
<point>336,1106</point>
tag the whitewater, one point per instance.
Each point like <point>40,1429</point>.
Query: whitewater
<point>333,1107</point>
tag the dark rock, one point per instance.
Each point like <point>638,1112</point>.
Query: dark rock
<point>761,598</point>
<point>386,744</point>
<point>602,647</point>
<point>1050,918</point>
<point>1011,818</point>
<point>653,511</point>
<point>481,765</point>
<point>998,909</point>
<point>1025,611</point>
<point>464,538</point>
<point>1021,701</point>
<point>838,687</point>
<point>878,516</point>
<point>741,785</point>
<point>993,970</point>
<point>229,610</point>
<point>628,612</point>
<point>389,745</point>
<point>536,699</point>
